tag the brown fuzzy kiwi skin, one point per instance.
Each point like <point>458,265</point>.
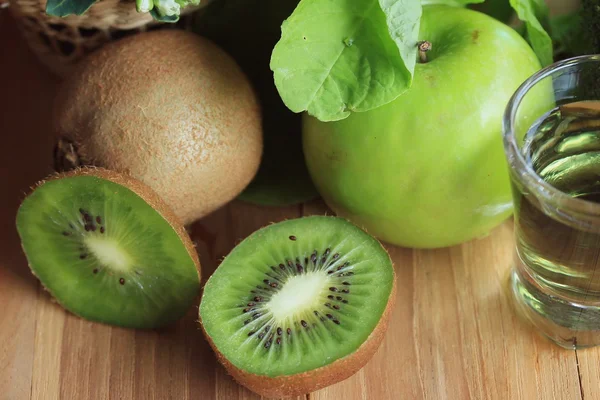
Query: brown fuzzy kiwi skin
<point>142,190</point>
<point>172,110</point>
<point>310,381</point>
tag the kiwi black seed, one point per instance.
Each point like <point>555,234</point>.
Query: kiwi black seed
<point>108,249</point>
<point>317,322</point>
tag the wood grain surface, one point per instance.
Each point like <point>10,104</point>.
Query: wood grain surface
<point>453,333</point>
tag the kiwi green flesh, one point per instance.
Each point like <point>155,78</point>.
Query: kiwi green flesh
<point>296,296</point>
<point>105,254</point>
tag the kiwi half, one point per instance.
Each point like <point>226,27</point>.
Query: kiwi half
<point>299,305</point>
<point>108,249</point>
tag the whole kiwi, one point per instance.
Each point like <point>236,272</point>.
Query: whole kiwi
<point>169,108</point>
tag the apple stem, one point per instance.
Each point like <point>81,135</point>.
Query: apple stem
<point>424,46</point>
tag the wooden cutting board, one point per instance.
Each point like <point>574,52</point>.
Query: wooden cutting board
<point>453,333</point>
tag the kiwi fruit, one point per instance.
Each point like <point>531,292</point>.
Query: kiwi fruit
<point>108,249</point>
<point>169,108</point>
<point>299,305</point>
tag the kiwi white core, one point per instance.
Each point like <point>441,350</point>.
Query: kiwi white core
<point>301,293</point>
<point>109,253</point>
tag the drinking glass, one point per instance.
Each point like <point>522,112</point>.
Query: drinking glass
<point>551,131</point>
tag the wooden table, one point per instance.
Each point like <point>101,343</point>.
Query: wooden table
<point>453,334</point>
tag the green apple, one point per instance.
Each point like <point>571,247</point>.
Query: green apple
<point>428,169</point>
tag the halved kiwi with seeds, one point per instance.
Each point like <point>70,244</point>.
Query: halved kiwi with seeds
<point>299,305</point>
<point>108,249</point>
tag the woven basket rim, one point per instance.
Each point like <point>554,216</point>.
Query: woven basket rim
<point>103,14</point>
<point>60,42</point>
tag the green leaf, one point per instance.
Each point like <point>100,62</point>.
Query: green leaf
<point>338,56</point>
<point>403,20</point>
<point>456,3</point>
<point>533,13</point>
<point>62,8</point>
<point>144,6</point>
<point>185,3</point>
<point>169,10</point>
<point>163,18</point>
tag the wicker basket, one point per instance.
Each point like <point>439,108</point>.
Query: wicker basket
<point>59,43</point>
